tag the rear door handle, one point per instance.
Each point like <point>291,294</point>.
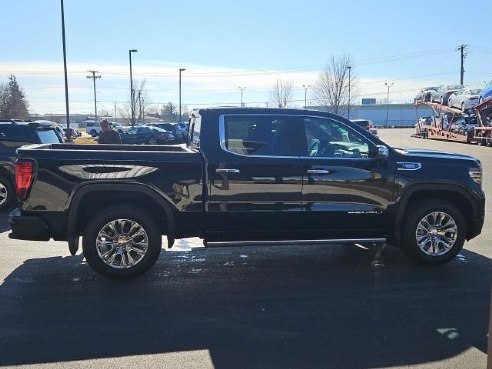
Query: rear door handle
<point>227,170</point>
<point>318,171</point>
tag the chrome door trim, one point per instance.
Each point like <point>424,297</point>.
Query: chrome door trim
<point>227,170</point>
<point>317,171</point>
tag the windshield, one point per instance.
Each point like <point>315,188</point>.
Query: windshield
<point>48,136</point>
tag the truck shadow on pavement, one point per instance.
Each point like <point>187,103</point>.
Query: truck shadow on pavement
<point>278,307</point>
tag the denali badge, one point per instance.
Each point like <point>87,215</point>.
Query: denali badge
<point>406,165</point>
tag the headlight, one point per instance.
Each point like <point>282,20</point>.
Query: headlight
<point>476,175</point>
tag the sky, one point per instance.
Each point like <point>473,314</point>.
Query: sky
<point>224,45</point>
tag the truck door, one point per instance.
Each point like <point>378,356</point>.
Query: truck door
<point>255,177</point>
<point>346,187</point>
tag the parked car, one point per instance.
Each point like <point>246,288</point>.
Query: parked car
<point>119,127</point>
<point>464,126</point>
<point>74,133</point>
<point>441,95</point>
<point>174,128</point>
<point>248,175</point>
<point>14,134</point>
<point>486,93</point>
<point>147,135</point>
<point>422,125</point>
<point>464,99</point>
<point>92,128</point>
<point>366,124</point>
<point>425,94</point>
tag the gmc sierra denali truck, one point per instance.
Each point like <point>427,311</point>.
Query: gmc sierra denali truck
<point>247,174</point>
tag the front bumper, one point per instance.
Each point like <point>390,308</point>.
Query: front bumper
<point>27,227</point>
<point>476,227</point>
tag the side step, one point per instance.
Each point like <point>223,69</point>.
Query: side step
<point>291,242</point>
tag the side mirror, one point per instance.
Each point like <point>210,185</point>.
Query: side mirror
<point>383,151</point>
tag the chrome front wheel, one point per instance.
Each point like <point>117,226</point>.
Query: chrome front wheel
<point>436,233</point>
<point>433,232</point>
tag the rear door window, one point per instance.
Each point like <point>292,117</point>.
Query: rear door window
<point>259,135</point>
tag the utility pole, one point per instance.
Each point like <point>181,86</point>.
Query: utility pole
<point>69,135</point>
<point>180,117</point>
<point>242,90</point>
<point>388,85</point>
<point>305,94</point>
<point>94,77</point>
<point>115,110</point>
<point>462,49</point>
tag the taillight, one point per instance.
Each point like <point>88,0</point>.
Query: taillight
<point>23,178</point>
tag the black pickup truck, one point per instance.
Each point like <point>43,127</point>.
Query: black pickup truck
<point>247,174</point>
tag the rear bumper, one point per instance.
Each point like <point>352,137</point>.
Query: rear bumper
<point>27,227</point>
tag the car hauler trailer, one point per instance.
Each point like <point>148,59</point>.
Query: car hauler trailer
<point>483,131</point>
<point>448,124</point>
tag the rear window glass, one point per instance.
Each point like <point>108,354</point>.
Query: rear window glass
<point>14,135</point>
<point>47,136</point>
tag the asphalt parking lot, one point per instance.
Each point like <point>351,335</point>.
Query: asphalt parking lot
<point>280,307</point>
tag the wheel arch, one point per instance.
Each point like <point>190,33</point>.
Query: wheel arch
<point>457,196</point>
<point>92,197</point>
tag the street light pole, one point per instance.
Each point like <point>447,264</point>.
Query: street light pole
<point>132,97</point>
<point>180,118</point>
<point>388,85</point>
<point>242,89</point>
<point>69,136</point>
<point>348,108</point>
<point>94,77</point>
<point>305,94</point>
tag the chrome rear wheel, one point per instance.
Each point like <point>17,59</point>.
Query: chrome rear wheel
<point>122,243</point>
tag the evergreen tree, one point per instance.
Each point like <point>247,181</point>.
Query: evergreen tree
<point>13,102</point>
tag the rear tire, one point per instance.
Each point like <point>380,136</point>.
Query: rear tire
<point>122,242</point>
<point>152,141</point>
<point>7,193</point>
<point>434,232</point>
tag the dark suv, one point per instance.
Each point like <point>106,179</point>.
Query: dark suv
<point>14,134</point>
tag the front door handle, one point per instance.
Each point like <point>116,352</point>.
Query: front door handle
<point>227,170</point>
<point>318,171</point>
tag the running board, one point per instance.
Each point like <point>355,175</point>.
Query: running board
<point>292,242</point>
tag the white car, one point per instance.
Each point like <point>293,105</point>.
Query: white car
<point>464,99</point>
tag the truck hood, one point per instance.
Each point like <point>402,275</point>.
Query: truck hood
<point>434,154</point>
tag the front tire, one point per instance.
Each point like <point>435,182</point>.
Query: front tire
<point>152,141</point>
<point>7,193</point>
<point>122,242</point>
<point>434,232</point>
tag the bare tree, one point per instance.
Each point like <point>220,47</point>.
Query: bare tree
<point>141,102</point>
<point>281,92</point>
<point>332,86</point>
